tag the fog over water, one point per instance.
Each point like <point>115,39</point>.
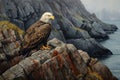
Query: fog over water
<point>108,8</point>
<point>98,5</point>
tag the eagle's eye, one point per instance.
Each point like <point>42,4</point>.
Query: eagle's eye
<point>49,15</point>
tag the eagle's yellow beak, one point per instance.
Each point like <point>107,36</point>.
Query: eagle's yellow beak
<point>52,17</point>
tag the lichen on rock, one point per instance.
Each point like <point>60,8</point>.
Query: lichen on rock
<point>10,40</point>
<point>8,25</point>
<point>63,61</point>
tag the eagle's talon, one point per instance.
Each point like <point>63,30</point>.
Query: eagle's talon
<point>46,47</point>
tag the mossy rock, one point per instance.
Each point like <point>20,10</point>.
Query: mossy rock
<point>8,25</point>
<point>93,75</point>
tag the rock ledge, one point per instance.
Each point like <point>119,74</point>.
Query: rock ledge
<point>62,62</point>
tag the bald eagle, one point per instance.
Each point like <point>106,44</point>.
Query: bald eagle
<point>37,34</point>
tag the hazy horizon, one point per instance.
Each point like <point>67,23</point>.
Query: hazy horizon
<point>103,7</point>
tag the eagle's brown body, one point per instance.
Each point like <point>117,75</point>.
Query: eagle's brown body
<point>36,35</point>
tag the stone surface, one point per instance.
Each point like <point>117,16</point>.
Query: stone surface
<point>85,56</point>
<point>90,45</point>
<point>102,70</point>
<point>63,62</point>
<point>10,45</point>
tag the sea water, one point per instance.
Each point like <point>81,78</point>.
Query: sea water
<point>113,44</point>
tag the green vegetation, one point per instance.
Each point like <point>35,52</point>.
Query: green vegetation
<point>9,25</point>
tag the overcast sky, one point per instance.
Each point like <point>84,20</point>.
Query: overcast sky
<point>98,5</point>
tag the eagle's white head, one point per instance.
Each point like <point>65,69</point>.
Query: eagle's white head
<point>47,17</point>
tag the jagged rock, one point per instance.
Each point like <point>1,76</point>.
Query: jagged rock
<point>55,42</point>
<point>97,32</point>
<point>18,23</point>
<point>102,70</point>
<point>106,27</point>
<point>63,62</point>
<point>57,34</point>
<point>85,56</point>
<point>91,46</point>
<point>10,46</point>
<point>68,22</point>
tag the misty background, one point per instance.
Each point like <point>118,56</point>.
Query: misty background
<point>104,9</point>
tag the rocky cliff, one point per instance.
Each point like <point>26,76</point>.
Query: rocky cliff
<point>62,62</point>
<point>73,24</point>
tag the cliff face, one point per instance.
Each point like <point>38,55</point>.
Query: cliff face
<point>73,24</point>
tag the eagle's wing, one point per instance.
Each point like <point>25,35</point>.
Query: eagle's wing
<point>40,34</point>
<point>31,29</point>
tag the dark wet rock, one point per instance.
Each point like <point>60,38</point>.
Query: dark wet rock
<point>91,46</point>
<point>57,34</point>
<point>106,27</point>
<point>63,61</point>
<point>18,23</point>
<point>72,32</point>
<point>94,29</point>
<point>97,32</point>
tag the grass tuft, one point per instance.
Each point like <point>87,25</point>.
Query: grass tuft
<point>8,25</point>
